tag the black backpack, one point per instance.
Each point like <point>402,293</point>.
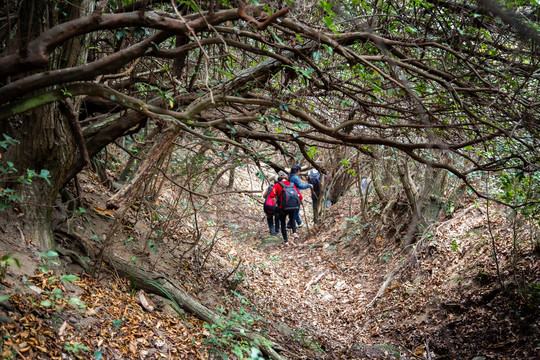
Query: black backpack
<point>314,178</point>
<point>270,206</point>
<point>289,199</point>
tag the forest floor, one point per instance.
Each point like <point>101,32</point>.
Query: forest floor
<point>321,298</point>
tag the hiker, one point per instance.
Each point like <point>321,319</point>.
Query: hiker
<point>289,200</point>
<point>271,209</point>
<point>314,178</point>
<point>295,179</point>
<point>365,186</point>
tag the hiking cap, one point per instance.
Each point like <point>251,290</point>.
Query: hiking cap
<point>282,175</point>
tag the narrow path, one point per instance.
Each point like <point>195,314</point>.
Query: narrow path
<point>317,292</point>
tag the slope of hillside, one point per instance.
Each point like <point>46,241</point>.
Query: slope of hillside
<point>344,290</point>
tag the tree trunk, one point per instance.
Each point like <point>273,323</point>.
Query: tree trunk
<point>130,188</point>
<point>433,201</point>
<point>46,140</point>
<point>231,178</point>
<point>376,181</point>
<point>409,186</point>
<point>426,206</point>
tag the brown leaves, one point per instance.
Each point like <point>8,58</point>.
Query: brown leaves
<point>104,212</point>
<point>115,324</point>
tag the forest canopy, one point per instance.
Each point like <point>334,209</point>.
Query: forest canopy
<point>154,119</point>
<point>449,85</point>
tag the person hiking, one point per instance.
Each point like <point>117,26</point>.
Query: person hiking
<point>289,200</point>
<point>271,209</point>
<point>314,178</point>
<point>295,179</point>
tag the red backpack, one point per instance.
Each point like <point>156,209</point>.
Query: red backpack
<point>270,206</point>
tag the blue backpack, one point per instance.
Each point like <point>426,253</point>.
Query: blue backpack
<point>314,178</point>
<point>289,199</point>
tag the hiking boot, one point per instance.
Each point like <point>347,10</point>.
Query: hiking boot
<point>295,235</point>
<point>273,233</point>
<point>300,225</point>
<point>285,243</point>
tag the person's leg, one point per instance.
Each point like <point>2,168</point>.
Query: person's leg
<point>314,199</point>
<point>283,223</point>
<point>289,223</point>
<point>293,223</point>
<point>270,221</point>
<point>297,218</point>
<point>276,222</point>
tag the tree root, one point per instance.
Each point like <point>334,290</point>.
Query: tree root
<point>76,258</point>
<point>432,229</point>
<point>384,286</point>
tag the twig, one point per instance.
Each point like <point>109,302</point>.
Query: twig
<point>305,218</point>
<point>261,25</point>
<point>428,354</point>
<point>22,234</point>
<point>315,280</point>
<point>73,119</point>
<point>234,270</point>
<point>493,243</point>
<point>384,286</point>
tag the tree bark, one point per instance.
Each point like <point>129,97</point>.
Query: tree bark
<point>46,142</point>
<point>433,201</point>
<point>46,139</point>
<point>130,188</point>
<point>409,186</point>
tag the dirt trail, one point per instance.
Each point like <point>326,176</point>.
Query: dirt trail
<point>444,301</point>
<point>309,287</point>
<point>312,297</point>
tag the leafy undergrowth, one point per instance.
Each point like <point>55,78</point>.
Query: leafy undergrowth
<point>319,299</point>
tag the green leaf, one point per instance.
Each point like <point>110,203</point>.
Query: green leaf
<point>69,278</point>
<point>4,206</point>
<point>46,303</point>
<point>76,302</point>
<point>328,20</point>
<point>117,323</point>
<point>51,253</point>
<point>4,298</point>
<point>98,355</point>
<point>278,39</point>
<point>44,174</point>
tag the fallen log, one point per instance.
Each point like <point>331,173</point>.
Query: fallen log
<point>156,283</point>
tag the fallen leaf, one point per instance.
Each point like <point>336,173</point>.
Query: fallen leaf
<point>62,329</point>
<point>105,212</point>
<point>145,303</point>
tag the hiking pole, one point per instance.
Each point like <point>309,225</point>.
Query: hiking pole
<point>305,217</point>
